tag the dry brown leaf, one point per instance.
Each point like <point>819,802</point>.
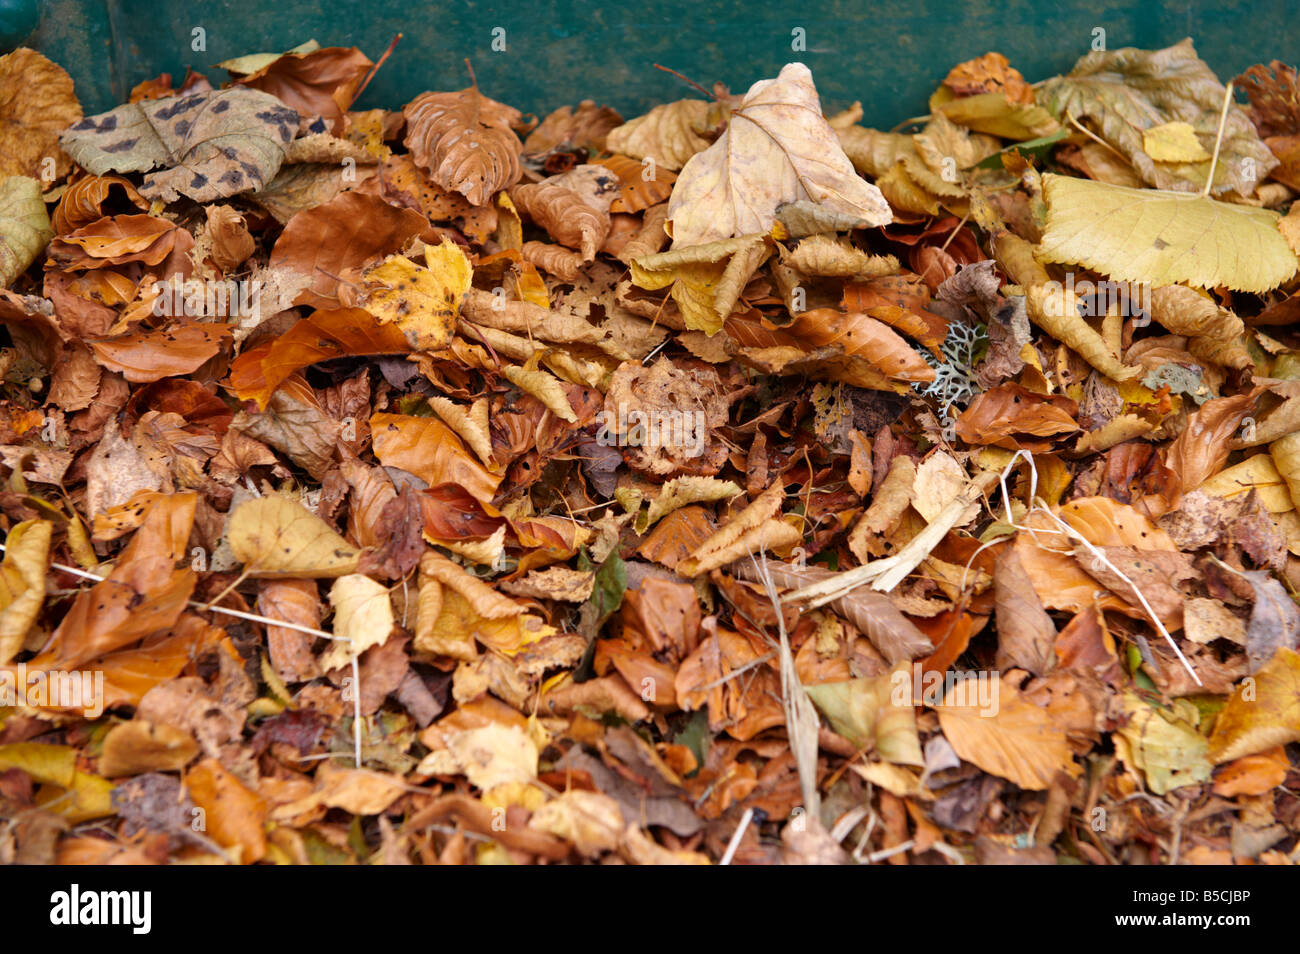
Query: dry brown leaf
<point>465,142</point>
<point>39,104</point>
<point>1016,739</point>
<point>777,148</point>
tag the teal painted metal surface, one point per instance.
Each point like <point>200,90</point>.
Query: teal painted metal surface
<point>889,54</point>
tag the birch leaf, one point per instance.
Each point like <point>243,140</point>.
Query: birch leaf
<point>777,148</point>
<point>363,617</point>
<point>1163,238</point>
<point>24,226</point>
<point>273,536</point>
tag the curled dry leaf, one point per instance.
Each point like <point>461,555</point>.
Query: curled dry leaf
<point>145,356</point>
<point>669,135</point>
<point>465,142</point>
<point>569,218</point>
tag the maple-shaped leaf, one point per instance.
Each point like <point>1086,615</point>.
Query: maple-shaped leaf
<point>206,146</point>
<point>1126,92</point>
<point>777,148</point>
<point>465,142</point>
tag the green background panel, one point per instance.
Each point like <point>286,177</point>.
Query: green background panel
<point>889,54</point>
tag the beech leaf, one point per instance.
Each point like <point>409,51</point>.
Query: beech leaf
<point>24,226</point>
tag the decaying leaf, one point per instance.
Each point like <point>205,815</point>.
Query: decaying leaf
<point>777,148</point>
<point>204,145</point>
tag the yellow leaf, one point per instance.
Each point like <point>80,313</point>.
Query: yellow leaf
<point>273,536</point>
<point>489,756</point>
<point>1173,142</point>
<point>1264,711</point>
<point>592,821</point>
<point>1168,750</point>
<point>422,302</point>
<point>24,226</point>
<point>1054,307</point>
<point>777,148</point>
<point>543,386</point>
<point>837,257</point>
<point>706,279</point>
<point>84,795</point>
<point>995,114</point>
<point>471,424</point>
<point>363,617</point>
<point>1163,238</point>
<point>1255,473</point>
<point>22,583</point>
<point>675,494</point>
<point>869,713</point>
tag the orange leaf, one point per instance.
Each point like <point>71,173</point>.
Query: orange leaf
<point>235,816</point>
<point>429,449</point>
<point>145,356</point>
<point>349,231</point>
<point>321,336</point>
<point>1010,415</point>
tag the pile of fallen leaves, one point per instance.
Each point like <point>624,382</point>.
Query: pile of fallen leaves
<point>733,483</point>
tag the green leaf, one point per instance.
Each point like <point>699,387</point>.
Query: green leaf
<point>611,584</point>
<point>1163,238</point>
<point>1030,147</point>
<point>864,712</point>
<point>1165,745</point>
<point>24,226</point>
<point>695,735</point>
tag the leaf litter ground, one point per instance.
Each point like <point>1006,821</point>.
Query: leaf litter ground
<point>734,483</point>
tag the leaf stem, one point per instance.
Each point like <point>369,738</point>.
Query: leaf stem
<point>1218,140</point>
